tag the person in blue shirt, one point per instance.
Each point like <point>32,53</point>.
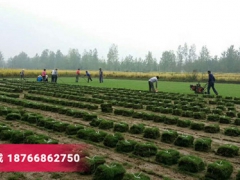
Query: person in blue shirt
<point>88,76</point>
<point>211,81</point>
<point>151,85</point>
<point>39,78</point>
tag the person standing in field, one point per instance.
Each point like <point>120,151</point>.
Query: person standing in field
<point>22,74</point>
<point>100,75</point>
<point>52,76</point>
<point>151,82</point>
<point>44,75</point>
<point>77,74</point>
<point>88,76</point>
<point>55,75</point>
<point>211,81</point>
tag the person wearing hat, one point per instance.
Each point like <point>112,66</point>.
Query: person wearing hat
<point>151,82</point>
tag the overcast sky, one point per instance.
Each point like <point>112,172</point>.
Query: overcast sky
<point>135,26</point>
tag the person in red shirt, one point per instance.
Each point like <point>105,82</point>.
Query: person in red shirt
<point>77,74</point>
<point>44,75</point>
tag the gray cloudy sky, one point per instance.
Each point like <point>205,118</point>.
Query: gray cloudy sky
<point>135,26</point>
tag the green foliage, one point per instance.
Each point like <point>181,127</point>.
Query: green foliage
<point>106,107</point>
<point>137,129</point>
<point>177,112</point>
<point>118,111</point>
<point>121,127</point>
<point>199,115</point>
<point>187,113</point>
<point>72,129</point>
<point>213,117</point>
<point>159,118</point>
<point>18,137</point>
<point>111,140</point>
<point>237,121</point>
<point>85,133</point>
<point>60,126</point>
<point>138,115</point>
<point>219,170</point>
<point>168,157</point>
<point>95,122</point>
<point>16,176</point>
<point>97,136</point>
<point>106,124</point>
<point>136,176</point>
<point>238,175</point>
<point>125,146</point>
<point>191,163</point>
<point>183,123</point>
<point>184,140</point>
<point>152,133</point>
<point>147,116</point>
<point>36,139</point>
<point>6,134</point>
<point>197,125</point>
<point>212,128</point>
<point>13,116</point>
<point>114,171</point>
<point>217,111</point>
<point>4,111</point>
<point>225,119</point>
<point>202,144</point>
<point>228,150</point>
<point>169,136</point>
<point>145,149</point>
<point>90,164</point>
<point>231,113</point>
<point>89,117</point>
<point>171,120</point>
<point>232,131</point>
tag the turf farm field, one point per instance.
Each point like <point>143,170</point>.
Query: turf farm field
<point>131,134</point>
<point>142,85</point>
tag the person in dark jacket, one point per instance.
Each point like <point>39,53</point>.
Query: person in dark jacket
<point>100,75</point>
<point>88,76</point>
<point>211,81</point>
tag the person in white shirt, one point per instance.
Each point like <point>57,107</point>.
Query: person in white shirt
<point>151,82</point>
<point>52,75</point>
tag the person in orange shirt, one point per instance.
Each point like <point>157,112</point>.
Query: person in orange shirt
<point>77,74</point>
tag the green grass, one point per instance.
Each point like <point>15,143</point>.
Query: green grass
<point>165,86</point>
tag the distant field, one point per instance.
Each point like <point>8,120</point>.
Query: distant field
<point>165,86</point>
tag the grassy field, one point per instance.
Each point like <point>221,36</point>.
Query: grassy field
<point>165,86</point>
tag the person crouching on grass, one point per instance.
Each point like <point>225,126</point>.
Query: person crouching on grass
<point>88,76</point>
<point>151,82</point>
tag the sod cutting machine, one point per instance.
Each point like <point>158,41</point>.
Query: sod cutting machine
<point>198,89</point>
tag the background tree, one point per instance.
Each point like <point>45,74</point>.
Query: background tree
<point>73,59</point>
<point>179,59</point>
<point>60,60</point>
<point>168,61</point>
<point>2,62</point>
<point>230,60</point>
<point>112,58</point>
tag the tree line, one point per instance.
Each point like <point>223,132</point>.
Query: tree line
<point>184,59</point>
